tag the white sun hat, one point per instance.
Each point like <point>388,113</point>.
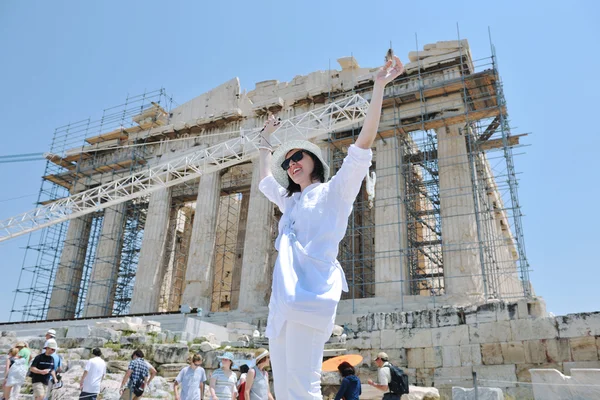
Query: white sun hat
<point>279,174</point>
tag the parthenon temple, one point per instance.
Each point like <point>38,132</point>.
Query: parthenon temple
<point>436,221</point>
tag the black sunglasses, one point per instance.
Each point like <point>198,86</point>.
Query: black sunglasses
<point>297,156</point>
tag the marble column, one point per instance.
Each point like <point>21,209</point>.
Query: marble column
<point>463,277</point>
<point>67,282</point>
<point>391,271</point>
<point>256,279</point>
<point>236,274</point>
<point>150,270</point>
<point>103,280</point>
<point>200,264</point>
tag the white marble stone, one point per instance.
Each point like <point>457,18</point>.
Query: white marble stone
<point>483,393</point>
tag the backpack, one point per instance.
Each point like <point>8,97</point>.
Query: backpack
<point>399,382</point>
<point>139,387</point>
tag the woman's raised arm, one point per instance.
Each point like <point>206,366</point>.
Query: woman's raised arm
<point>386,74</point>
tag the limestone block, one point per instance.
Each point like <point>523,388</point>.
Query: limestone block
<point>483,393</point>
<point>425,319</point>
<point>388,339</point>
<point>551,384</point>
<point>522,309</point>
<point>487,312</point>
<point>450,335</point>
<point>470,355</point>
<point>447,44</point>
<point>557,350</point>
<point>523,374</point>
<point>535,352</point>
<point>207,346</point>
<point>513,312</point>
<point>107,333</point>
<point>424,376</point>
<point>490,332</point>
<point>348,63</point>
<point>447,316</point>
<point>134,339</point>
<point>544,328</point>
<point>371,322</point>
<point>492,375</point>
<point>414,56</point>
<point>170,353</point>
<point>409,338</point>
<point>491,353</point>
<point>38,343</point>
<point>93,342</point>
<point>376,340</point>
<point>68,343</point>
<point>395,320</point>
<point>115,367</point>
<point>78,331</point>
<point>513,353</point>
<point>432,357</point>
<point>415,357</point>
<point>171,370</point>
<point>454,376</point>
<point>584,348</point>
<point>529,329</point>
<point>568,366</point>
<point>361,343</point>
<point>451,356</point>
<point>518,393</point>
<point>470,315</point>
<point>576,325</point>
<point>537,308</point>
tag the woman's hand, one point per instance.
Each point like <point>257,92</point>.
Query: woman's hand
<point>388,73</point>
<point>271,126</point>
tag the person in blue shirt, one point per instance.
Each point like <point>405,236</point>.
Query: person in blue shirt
<point>350,388</point>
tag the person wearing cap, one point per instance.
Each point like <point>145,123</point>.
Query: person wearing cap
<point>191,379</point>
<point>223,381</point>
<point>26,350</point>
<point>257,380</point>
<point>95,370</point>
<point>55,381</point>
<point>42,368</point>
<point>51,334</point>
<point>307,279</point>
<point>384,377</point>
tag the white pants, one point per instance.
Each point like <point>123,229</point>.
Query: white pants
<point>14,393</point>
<point>296,357</point>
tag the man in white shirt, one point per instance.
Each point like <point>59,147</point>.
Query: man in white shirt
<point>384,377</point>
<point>95,369</point>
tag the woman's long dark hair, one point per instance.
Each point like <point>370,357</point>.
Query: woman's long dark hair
<point>346,369</point>
<point>318,174</point>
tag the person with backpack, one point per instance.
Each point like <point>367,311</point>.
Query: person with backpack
<point>389,378</point>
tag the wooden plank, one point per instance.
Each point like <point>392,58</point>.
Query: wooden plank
<point>58,160</point>
<point>57,180</point>
<point>498,143</point>
<point>116,134</point>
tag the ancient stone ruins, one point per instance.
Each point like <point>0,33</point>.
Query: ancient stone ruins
<point>151,232</point>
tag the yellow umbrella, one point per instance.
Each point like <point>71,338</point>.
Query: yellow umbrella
<point>333,363</point>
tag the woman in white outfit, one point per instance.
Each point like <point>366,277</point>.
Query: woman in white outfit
<point>307,279</point>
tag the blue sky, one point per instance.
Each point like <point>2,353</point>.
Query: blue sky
<point>63,61</point>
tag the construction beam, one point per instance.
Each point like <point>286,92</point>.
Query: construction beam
<point>339,115</point>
